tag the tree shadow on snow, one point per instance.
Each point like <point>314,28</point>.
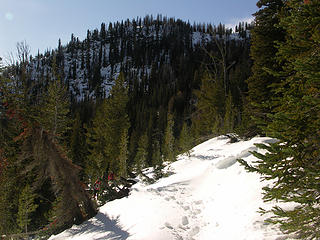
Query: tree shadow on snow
<point>102,224</point>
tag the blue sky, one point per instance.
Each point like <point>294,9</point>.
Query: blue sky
<point>42,22</point>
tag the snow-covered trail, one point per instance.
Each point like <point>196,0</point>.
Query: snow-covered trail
<point>208,196</point>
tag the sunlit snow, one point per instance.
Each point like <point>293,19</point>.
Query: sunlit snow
<point>208,196</point>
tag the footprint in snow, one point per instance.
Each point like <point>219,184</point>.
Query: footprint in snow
<point>170,198</point>
<point>168,225</point>
<point>186,208</point>
<point>194,231</point>
<point>184,220</point>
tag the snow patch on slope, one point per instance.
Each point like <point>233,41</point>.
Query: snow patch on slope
<point>209,196</point>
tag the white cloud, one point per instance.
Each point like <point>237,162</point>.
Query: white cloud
<point>9,16</point>
<point>235,21</point>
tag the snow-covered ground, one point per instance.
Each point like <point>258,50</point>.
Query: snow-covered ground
<point>208,196</point>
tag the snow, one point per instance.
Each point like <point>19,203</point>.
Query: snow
<point>208,196</point>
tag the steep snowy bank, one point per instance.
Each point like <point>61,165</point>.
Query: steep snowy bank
<point>209,196</point>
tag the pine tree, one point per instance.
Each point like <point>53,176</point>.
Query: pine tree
<point>168,147</point>
<point>12,124</point>
<point>109,131</point>
<point>140,159</point>
<point>210,106</point>
<point>123,154</point>
<point>26,207</point>
<point>229,116</point>
<point>55,107</point>
<point>293,161</point>
<point>78,148</point>
<point>185,140</point>
<point>265,34</point>
<point>97,138</point>
<point>156,155</point>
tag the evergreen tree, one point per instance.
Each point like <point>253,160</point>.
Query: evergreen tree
<point>229,116</point>
<point>55,107</point>
<point>185,140</point>
<point>156,155</point>
<point>123,154</point>
<point>293,161</point>
<point>12,124</point>
<point>265,35</point>
<point>105,143</point>
<point>26,207</point>
<point>140,159</point>
<point>78,148</point>
<point>9,179</point>
<point>96,140</point>
<point>210,106</point>
<point>169,140</point>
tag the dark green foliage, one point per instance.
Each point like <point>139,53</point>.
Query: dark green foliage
<point>160,75</point>
<point>54,109</point>
<point>107,138</point>
<point>229,116</point>
<point>210,106</point>
<point>168,148</point>
<point>123,154</point>
<point>140,159</point>
<point>96,139</point>
<point>12,107</point>
<point>265,35</point>
<point>293,161</point>
<point>78,147</point>
<point>32,154</point>
<point>26,207</point>
<point>185,142</point>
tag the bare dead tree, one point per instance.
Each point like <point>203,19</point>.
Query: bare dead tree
<point>23,51</point>
<point>222,60</point>
<point>9,59</point>
<point>51,163</point>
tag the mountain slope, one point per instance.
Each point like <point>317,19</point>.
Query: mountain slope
<point>208,196</point>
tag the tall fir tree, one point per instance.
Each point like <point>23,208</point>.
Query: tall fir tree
<point>185,141</point>
<point>13,107</point>
<point>168,146</point>
<point>96,139</point>
<point>26,207</point>
<point>55,107</point>
<point>264,37</point>
<point>208,117</point>
<point>123,154</point>
<point>140,159</point>
<point>109,133</point>
<point>229,116</point>
<point>293,161</point>
<point>77,142</point>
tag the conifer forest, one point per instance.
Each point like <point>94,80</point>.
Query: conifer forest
<point>136,93</point>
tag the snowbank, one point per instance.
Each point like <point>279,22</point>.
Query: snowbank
<point>209,196</point>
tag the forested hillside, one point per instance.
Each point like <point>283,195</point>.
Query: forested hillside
<point>137,93</point>
<point>132,94</point>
